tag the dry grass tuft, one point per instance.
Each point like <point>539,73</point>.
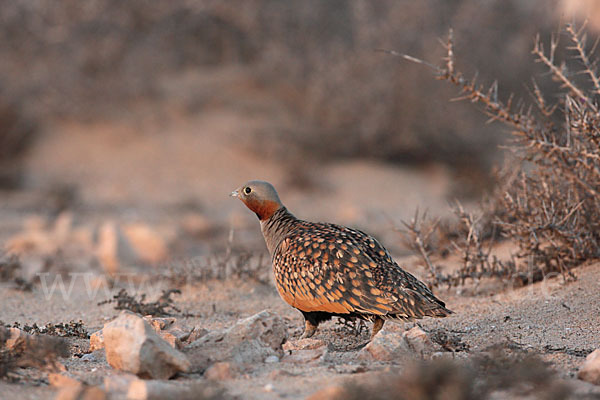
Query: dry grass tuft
<point>548,199</point>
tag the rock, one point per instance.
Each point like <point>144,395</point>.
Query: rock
<point>90,357</point>
<point>271,360</point>
<point>112,248</point>
<point>305,356</point>
<point>171,339</point>
<point>196,224</point>
<point>418,340</point>
<point>386,346</point>
<point>148,244</point>
<point>182,334</point>
<point>265,326</point>
<point>159,324</point>
<point>391,345</point>
<point>280,374</point>
<point>132,345</point>
<point>249,341</point>
<point>590,370</point>
<point>251,352</point>
<point>195,334</point>
<point>17,338</point>
<point>159,390</point>
<point>221,371</point>
<point>81,393</point>
<point>96,340</point>
<point>334,392</point>
<point>114,384</point>
<point>303,344</point>
<point>61,380</point>
<point>166,329</point>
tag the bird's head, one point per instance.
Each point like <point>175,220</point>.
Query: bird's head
<point>260,197</point>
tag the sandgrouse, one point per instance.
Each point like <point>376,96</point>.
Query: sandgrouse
<point>327,270</point>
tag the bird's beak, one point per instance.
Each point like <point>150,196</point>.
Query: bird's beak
<point>235,193</point>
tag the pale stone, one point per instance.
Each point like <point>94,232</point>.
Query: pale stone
<point>148,244</point>
<point>132,345</point>
<point>159,390</point>
<point>96,341</point>
<point>61,380</point>
<point>386,346</point>
<point>220,371</point>
<point>335,392</point>
<point>590,370</point>
<point>418,340</point>
<point>81,393</point>
<point>303,344</point>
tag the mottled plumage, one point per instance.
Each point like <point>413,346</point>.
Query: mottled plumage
<point>327,270</point>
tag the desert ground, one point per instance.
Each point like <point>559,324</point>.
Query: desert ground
<point>128,271</point>
<point>213,252</point>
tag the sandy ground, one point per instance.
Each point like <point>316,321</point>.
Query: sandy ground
<point>172,175</point>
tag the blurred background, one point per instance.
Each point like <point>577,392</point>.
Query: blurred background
<point>125,125</point>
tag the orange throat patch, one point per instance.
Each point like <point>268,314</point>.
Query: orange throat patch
<point>263,209</point>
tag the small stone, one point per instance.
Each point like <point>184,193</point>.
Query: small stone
<point>335,392</point>
<point>304,344</point>
<point>590,370</point>
<point>132,345</point>
<point>148,244</point>
<point>386,346</point>
<point>196,224</point>
<point>81,392</point>
<point>266,326</point>
<point>272,359</point>
<point>171,339</point>
<point>90,357</point>
<point>155,390</point>
<point>418,340</point>
<point>16,338</point>
<point>96,341</point>
<point>60,380</point>
<point>280,373</point>
<point>221,371</point>
<point>250,341</point>
<point>195,334</point>
<point>118,383</point>
<point>112,248</point>
<point>159,324</point>
<point>304,356</point>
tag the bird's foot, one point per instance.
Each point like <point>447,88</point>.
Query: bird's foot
<point>377,325</point>
<point>309,330</point>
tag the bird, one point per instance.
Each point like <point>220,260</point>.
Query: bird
<point>326,270</point>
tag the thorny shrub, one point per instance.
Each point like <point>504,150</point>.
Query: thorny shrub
<point>548,198</point>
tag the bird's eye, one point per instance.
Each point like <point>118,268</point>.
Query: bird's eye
<point>247,190</point>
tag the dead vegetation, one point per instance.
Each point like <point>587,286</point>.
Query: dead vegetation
<point>232,264</point>
<point>68,329</point>
<point>494,373</point>
<point>11,271</point>
<point>160,308</point>
<point>548,199</point>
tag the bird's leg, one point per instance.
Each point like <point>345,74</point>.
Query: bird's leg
<point>309,329</point>
<point>377,325</point>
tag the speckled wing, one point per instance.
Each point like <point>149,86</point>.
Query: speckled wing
<point>330,268</point>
